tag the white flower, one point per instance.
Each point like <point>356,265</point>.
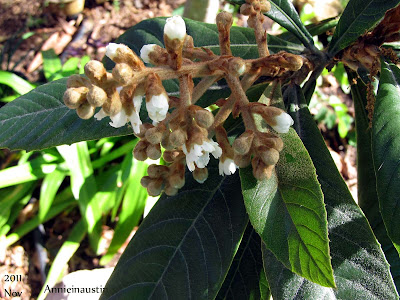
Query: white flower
<point>121,118</point>
<point>175,28</point>
<point>111,49</point>
<point>200,154</point>
<point>145,51</point>
<point>227,167</point>
<point>283,123</point>
<point>157,107</point>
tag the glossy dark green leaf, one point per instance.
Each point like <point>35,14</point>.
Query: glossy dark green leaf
<point>246,273</point>
<point>186,244</point>
<point>366,179</point>
<point>288,211</point>
<point>386,149</point>
<point>360,269</point>
<point>358,17</point>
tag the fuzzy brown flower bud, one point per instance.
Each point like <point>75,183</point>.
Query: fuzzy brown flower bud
<point>156,171</point>
<point>200,175</point>
<point>177,137</point>
<point>154,135</point>
<point>154,188</point>
<point>96,72</point>
<point>242,161</point>
<point>153,151</point>
<point>269,156</point>
<point>260,170</point>
<point>74,97</point>
<point>123,73</point>
<point>76,81</point>
<point>85,111</point>
<point>242,144</point>
<point>96,96</point>
<point>145,181</point>
<point>170,191</point>
<point>204,118</point>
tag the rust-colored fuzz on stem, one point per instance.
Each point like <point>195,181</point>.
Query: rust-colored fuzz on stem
<point>181,131</point>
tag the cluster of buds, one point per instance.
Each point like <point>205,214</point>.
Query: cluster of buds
<point>182,132</point>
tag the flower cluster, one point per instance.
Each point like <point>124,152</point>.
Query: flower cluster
<point>184,133</point>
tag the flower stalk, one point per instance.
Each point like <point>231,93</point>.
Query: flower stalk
<point>183,129</point>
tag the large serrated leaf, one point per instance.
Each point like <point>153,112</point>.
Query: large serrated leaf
<point>358,17</point>
<point>360,269</point>
<point>246,275</point>
<point>366,179</point>
<point>40,119</point>
<point>386,149</point>
<point>185,246</point>
<point>288,211</point>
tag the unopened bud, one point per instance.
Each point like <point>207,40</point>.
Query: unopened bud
<point>154,188</point>
<point>170,155</point>
<point>76,81</point>
<point>177,138</point>
<point>200,175</point>
<point>96,96</point>
<point>145,181</point>
<point>121,53</point>
<point>176,180</point>
<point>73,97</point>
<point>260,170</point>
<point>204,118</point>
<point>146,51</point>
<point>242,161</point>
<point>140,150</point>
<point>166,143</point>
<point>175,28</point>
<point>246,9</point>
<point>153,151</point>
<point>265,6</point>
<point>273,142</point>
<point>113,104</point>
<point>156,171</point>
<point>154,135</point>
<point>85,111</point>
<point>269,156</point>
<point>237,66</point>
<point>170,191</point>
<point>242,144</point>
<point>123,73</point>
<point>224,21</point>
<point>95,71</point>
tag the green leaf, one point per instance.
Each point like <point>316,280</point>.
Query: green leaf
<point>51,65</point>
<point>246,272</point>
<point>33,223</point>
<point>366,179</point>
<point>29,171</point>
<point>65,253</point>
<point>9,197</point>
<point>360,269</point>
<point>185,245</point>
<point>84,188</point>
<point>288,210</point>
<point>132,208</point>
<point>358,17</point>
<point>314,29</point>
<point>18,84</point>
<point>48,190</point>
<point>386,149</point>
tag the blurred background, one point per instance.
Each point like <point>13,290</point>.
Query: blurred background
<point>42,233</point>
